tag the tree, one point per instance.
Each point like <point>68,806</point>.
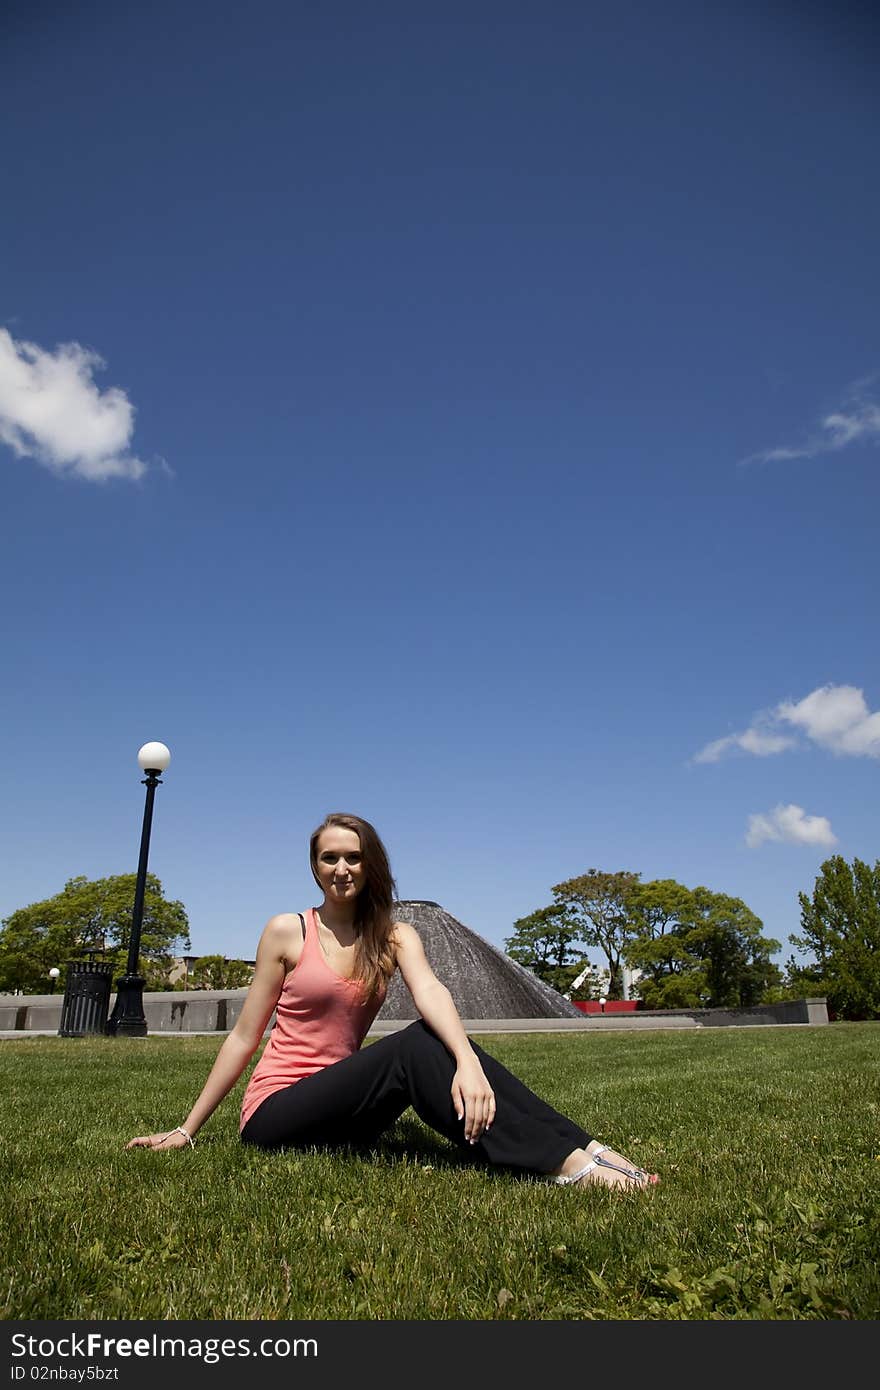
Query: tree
<point>799,980</point>
<point>544,943</point>
<point>216,972</point>
<point>597,904</point>
<point>840,925</point>
<point>89,915</point>
<point>669,976</point>
<point>725,936</point>
<point>696,948</point>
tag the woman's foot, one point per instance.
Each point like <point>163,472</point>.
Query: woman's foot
<point>605,1167</point>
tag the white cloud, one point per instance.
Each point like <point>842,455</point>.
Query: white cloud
<point>51,410</point>
<point>836,717</point>
<point>858,420</point>
<point>790,825</point>
<point>755,740</point>
<point>833,716</point>
<point>714,752</point>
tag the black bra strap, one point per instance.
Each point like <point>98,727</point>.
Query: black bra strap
<point>303,920</point>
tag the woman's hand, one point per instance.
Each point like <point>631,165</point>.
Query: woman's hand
<point>473,1098</point>
<point>170,1139</point>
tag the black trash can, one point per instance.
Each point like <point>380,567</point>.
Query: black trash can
<point>86,999</point>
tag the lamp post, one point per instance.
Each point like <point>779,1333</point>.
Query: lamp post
<point>53,976</point>
<point>128,1012</point>
<point>602,1004</point>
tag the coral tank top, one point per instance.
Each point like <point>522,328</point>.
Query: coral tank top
<point>320,1018</point>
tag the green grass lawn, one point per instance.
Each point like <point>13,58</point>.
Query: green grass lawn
<point>766,1140</point>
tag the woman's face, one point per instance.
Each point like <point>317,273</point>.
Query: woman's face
<point>340,864</point>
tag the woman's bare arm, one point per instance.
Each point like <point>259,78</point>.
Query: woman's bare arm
<point>272,964</point>
<point>472,1094</point>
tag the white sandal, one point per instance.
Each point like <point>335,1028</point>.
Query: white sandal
<point>638,1176</point>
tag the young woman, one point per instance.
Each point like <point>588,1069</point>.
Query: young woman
<point>325,974</point>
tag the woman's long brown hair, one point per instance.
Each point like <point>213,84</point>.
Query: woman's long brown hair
<point>374,955</point>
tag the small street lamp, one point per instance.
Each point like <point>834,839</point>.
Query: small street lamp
<point>602,1003</point>
<point>53,976</point>
<point>128,1016</point>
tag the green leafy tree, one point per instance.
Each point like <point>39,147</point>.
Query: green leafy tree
<point>597,906</point>
<point>90,916</point>
<point>725,937</point>
<point>697,949</point>
<point>659,908</point>
<point>216,972</point>
<point>670,977</point>
<point>840,925</point>
<point>544,942</point>
<point>799,980</point>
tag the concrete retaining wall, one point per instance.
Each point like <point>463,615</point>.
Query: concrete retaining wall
<point>172,1011</point>
<point>217,1010</point>
<point>789,1011</point>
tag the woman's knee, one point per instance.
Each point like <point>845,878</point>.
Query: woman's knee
<point>418,1037</point>
<point>420,1047</point>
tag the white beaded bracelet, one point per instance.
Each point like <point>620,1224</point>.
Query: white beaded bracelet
<point>179,1129</point>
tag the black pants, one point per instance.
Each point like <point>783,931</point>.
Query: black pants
<point>355,1100</point>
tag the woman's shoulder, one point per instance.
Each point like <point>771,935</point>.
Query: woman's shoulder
<point>283,921</point>
<point>283,935</point>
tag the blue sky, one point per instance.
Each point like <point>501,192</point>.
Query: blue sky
<point>463,415</point>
